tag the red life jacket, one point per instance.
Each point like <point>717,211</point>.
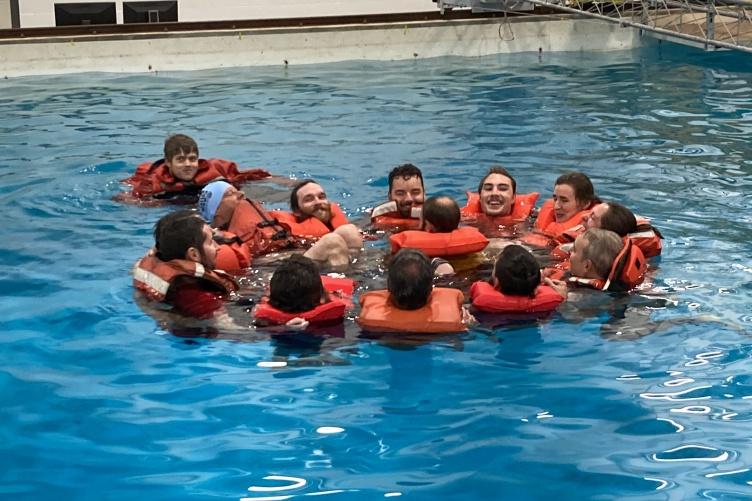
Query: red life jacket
<point>323,314</point>
<point>310,227</point>
<point>546,221</point>
<point>523,206</point>
<point>486,298</point>
<point>461,241</point>
<point>152,179</point>
<point>253,232</point>
<point>154,277</point>
<point>386,217</point>
<point>627,272</point>
<point>442,314</point>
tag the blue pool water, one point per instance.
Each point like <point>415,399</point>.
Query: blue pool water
<point>645,397</point>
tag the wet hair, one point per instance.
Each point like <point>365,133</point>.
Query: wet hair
<point>584,193</point>
<point>618,219</point>
<point>602,248</point>
<point>442,212</point>
<point>410,279</point>
<point>405,171</point>
<point>497,169</point>
<point>517,271</point>
<point>177,232</point>
<point>294,206</point>
<point>179,143</point>
<point>296,285</point>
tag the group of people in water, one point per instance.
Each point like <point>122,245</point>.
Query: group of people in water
<point>199,253</point>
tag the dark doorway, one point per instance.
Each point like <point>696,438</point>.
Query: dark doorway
<point>74,14</point>
<point>150,12</point>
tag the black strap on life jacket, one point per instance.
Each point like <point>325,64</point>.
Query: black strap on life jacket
<point>281,232</point>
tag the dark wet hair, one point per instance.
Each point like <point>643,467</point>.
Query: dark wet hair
<point>517,271</point>
<point>618,219</point>
<point>178,143</point>
<point>294,206</point>
<point>410,279</point>
<point>442,212</point>
<point>497,169</point>
<point>583,189</point>
<point>296,285</point>
<point>405,171</point>
<point>177,232</point>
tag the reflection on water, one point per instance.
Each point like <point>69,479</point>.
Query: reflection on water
<point>99,393</point>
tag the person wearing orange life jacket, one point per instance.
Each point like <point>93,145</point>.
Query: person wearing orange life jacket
<point>516,286</point>
<point>406,196</point>
<point>615,217</point>
<point>602,260</point>
<point>573,199</point>
<point>297,289</point>
<point>440,235</point>
<point>497,202</point>
<point>250,231</point>
<point>181,174</point>
<point>411,303</point>
<point>179,271</point>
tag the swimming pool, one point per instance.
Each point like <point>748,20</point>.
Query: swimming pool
<point>643,398</point>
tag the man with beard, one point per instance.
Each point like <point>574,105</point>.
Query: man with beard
<point>406,196</point>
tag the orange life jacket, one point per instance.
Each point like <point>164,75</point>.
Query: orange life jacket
<point>461,241</point>
<point>252,232</point>
<point>386,216</point>
<point>323,314</point>
<point>153,179</point>
<point>154,277</point>
<point>443,313</point>
<point>647,238</point>
<point>523,206</point>
<point>486,298</point>
<point>627,272</point>
<point>310,227</point>
<point>546,221</point>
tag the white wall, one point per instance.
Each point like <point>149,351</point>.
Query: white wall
<point>5,20</point>
<point>41,13</point>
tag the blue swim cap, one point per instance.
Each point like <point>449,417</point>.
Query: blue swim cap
<point>208,201</point>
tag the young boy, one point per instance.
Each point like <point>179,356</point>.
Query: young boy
<point>181,174</point>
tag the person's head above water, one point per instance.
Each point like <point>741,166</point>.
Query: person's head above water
<point>217,203</point>
<point>296,285</point>
<point>573,192</point>
<point>516,272</point>
<point>496,192</point>
<point>184,235</point>
<point>406,188</point>
<point>308,199</point>
<point>441,214</point>
<point>593,253</point>
<point>181,156</point>
<point>410,279</point>
<point>614,217</point>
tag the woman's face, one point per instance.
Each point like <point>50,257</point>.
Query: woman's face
<point>565,203</point>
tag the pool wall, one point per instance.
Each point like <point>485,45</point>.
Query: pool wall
<point>194,50</point>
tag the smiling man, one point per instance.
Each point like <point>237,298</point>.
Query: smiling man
<point>406,197</point>
<point>497,199</point>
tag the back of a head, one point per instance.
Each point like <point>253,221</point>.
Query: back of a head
<point>602,248</point>
<point>581,185</point>
<point>405,171</point>
<point>517,271</point>
<point>497,169</point>
<point>442,212</point>
<point>296,285</point>
<point>618,219</point>
<point>410,279</point>
<point>294,206</point>
<point>177,232</point>
<point>178,143</point>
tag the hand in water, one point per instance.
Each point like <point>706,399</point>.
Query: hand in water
<point>559,286</point>
<point>297,324</point>
<point>468,318</point>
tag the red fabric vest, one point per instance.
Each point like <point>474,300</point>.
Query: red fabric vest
<point>486,298</point>
<point>546,221</point>
<point>387,217</point>
<point>310,227</point>
<point>323,314</point>
<point>461,241</point>
<point>523,206</point>
<point>154,277</point>
<point>442,314</point>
